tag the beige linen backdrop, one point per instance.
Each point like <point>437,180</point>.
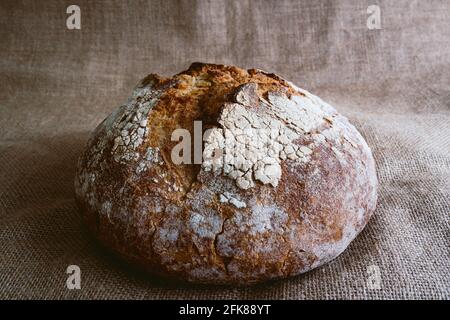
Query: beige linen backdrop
<point>57,84</point>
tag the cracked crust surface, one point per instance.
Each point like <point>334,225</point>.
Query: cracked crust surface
<point>292,202</point>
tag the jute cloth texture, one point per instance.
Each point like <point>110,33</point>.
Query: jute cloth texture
<point>57,84</point>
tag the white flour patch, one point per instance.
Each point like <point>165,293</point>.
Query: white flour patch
<point>152,156</point>
<point>227,197</point>
<point>265,221</point>
<point>252,142</point>
<point>205,225</point>
<point>264,218</point>
<point>130,129</point>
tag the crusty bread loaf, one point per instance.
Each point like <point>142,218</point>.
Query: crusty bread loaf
<point>295,188</point>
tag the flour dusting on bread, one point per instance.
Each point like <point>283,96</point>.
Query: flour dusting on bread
<point>284,185</point>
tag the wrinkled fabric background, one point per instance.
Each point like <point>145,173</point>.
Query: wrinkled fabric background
<point>57,84</point>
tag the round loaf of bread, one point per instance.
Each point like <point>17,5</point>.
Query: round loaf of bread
<point>226,176</point>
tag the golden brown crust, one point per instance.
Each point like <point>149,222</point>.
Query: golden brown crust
<point>200,225</point>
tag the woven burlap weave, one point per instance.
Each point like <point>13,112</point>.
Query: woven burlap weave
<point>57,84</point>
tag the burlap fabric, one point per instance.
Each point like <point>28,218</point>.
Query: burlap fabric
<point>57,84</point>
